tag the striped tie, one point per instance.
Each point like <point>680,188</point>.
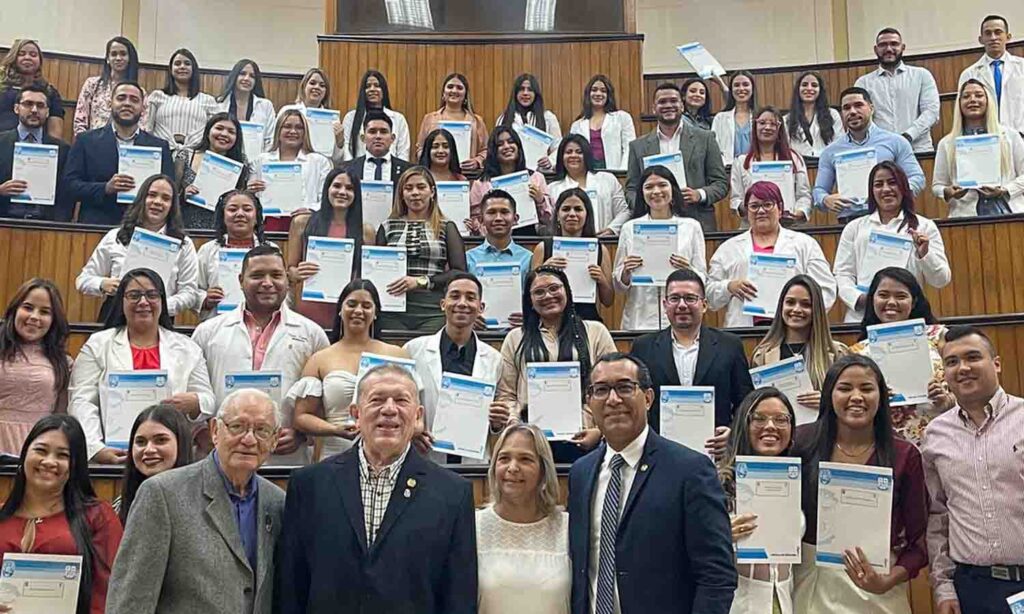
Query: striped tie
<point>605,599</point>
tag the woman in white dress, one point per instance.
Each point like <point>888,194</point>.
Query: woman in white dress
<point>811,123</point>
<point>328,385</point>
<point>522,538</point>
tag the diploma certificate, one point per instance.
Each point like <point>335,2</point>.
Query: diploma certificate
<point>779,173</point>
<point>229,267</point>
<point>503,285</point>
<point>461,421</point>
<point>383,265</point>
<point>41,583</point>
<point>462,132</point>
<point>885,249</point>
<point>555,398</point>
<point>268,382</point>
<point>284,187</point>
<point>902,352</point>
<point>453,198</point>
<point>852,171</point>
<point>769,487</point>
<point>854,510</point>
<point>321,129</point>
<point>688,415</point>
<point>977,161</point>
<point>703,63</point>
<point>36,165</point>
<point>581,253</point>
<point>791,378</point>
<point>769,273</point>
<point>217,175</point>
<point>378,197</point>
<point>123,396</point>
<point>655,242</point>
<point>518,186</point>
<point>253,139</point>
<point>154,251</point>
<point>671,161</point>
<point>536,144</point>
<point>140,163</point>
<point>1016,603</point>
<point>335,257</point>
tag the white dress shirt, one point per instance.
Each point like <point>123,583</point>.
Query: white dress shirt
<point>668,144</point>
<point>400,128</point>
<point>610,207</point>
<point>315,168</point>
<point>1011,105</point>
<point>800,145</point>
<point>370,169</point>
<point>631,454</point>
<point>1012,178</point>
<point>906,101</point>
<point>617,132</point>
<point>686,360</point>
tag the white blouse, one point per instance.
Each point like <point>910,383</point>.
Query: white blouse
<point>170,115</point>
<point>609,201</point>
<point>523,567</point>
<point>809,150</point>
<point>262,113</point>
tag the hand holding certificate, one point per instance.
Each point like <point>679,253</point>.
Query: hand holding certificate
<point>655,242</point>
<point>977,161</point>
<point>769,273</point>
<point>383,265</point>
<point>461,422</point>
<point>854,511</point>
<point>334,257</point>
<point>885,249</point>
<point>462,132</point>
<point>580,253</point>
<point>36,165</point>
<point>217,174</point>
<point>791,378</point>
<point>703,62</point>
<point>123,396</point>
<point>671,161</point>
<point>229,267</point>
<point>518,186</point>
<point>154,251</point>
<point>502,283</point>
<point>283,193</point>
<point>555,398</point>
<point>453,199</point>
<point>852,171</point>
<point>769,487</point>
<point>688,415</point>
<point>139,163</point>
<point>902,352</point>
<point>41,583</point>
<point>536,144</point>
<point>321,129</point>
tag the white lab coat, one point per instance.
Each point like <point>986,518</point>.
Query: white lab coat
<point>617,132</point>
<point>741,180</point>
<point>109,350</point>
<point>732,257</point>
<point>643,309</point>
<point>107,260</point>
<point>724,127</point>
<point>807,150</point>
<point>225,343</point>
<point>610,207</point>
<point>1011,106</point>
<point>853,245</point>
<point>315,168</point>
<point>399,148</point>
<point>551,126</point>
<point>1012,182</point>
<point>209,257</point>
<point>262,114</point>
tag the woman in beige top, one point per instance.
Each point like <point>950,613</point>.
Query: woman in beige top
<point>456,106</point>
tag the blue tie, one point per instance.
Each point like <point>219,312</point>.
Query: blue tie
<point>604,600</point>
<point>997,75</point>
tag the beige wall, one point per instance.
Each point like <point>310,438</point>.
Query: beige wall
<point>73,26</point>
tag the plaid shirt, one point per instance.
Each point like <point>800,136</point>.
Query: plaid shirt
<point>376,486</point>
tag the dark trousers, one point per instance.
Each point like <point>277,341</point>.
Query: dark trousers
<point>980,593</point>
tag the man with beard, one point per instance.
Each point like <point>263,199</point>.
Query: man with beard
<point>906,97</point>
<point>92,174</point>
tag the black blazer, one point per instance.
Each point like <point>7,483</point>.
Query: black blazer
<point>64,205</point>
<point>721,362</point>
<point>673,552</point>
<point>422,562</point>
<point>398,166</point>
<point>92,162</point>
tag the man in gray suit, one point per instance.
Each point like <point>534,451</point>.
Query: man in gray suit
<point>706,181</point>
<point>201,538</point>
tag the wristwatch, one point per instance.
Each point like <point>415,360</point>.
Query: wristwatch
<point>423,282</point>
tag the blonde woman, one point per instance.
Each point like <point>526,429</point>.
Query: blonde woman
<point>23,65</point>
<point>800,328</point>
<point>433,248</point>
<point>974,113</point>
<point>523,536</point>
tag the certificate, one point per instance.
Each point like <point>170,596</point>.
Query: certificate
<point>555,398</point>
<point>123,396</point>
<point>902,352</point>
<point>781,174</point>
<point>502,296</point>
<point>217,174</point>
<point>769,487</point>
<point>368,361</point>
<point>229,268</point>
<point>769,273</point>
<point>252,139</point>
<point>854,510</point>
<point>703,62</point>
<point>283,193</point>
<point>151,250</point>
<point>1016,603</point>
<point>536,144</point>
<point>453,198</point>
<point>655,242</point>
<point>461,421</point>
<point>335,258</point>
<point>852,171</point>
<point>977,161</point>
<point>462,132</point>
<point>791,378</point>
<point>688,415</point>
<point>885,249</point>
<point>518,186</point>
<point>140,163</point>
<point>671,161</point>
<point>581,253</point>
<point>383,265</point>
<point>41,583</point>
<point>321,129</point>
<point>378,197</point>
<point>36,165</point>
<point>268,382</point>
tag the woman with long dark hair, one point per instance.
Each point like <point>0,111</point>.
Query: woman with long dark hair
<point>53,509</point>
<point>222,136</point>
<point>120,63</point>
<point>456,106</point>
<point>733,125</point>
<point>34,364</point>
<point>440,156</point>
<point>373,96</point>
<point>854,427</point>
<point>177,113</point>
<point>696,103</point>
<point>575,167</point>
<point>608,129</point>
<point>811,123</point>
<point>243,98</point>
<point>504,156</point>
<point>22,66</point>
<point>526,108</point>
<point>160,440</point>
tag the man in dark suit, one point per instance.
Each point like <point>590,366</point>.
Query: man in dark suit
<point>92,176</point>
<point>706,181</point>
<point>648,527</point>
<point>687,353</point>
<point>32,108</point>
<point>378,164</point>
<point>378,529</point>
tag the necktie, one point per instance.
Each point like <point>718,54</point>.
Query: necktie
<point>997,76</point>
<point>30,138</point>
<point>378,171</point>
<point>604,600</point>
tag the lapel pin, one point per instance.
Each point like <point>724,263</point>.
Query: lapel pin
<point>407,493</point>
<point>643,467</point>
<point>411,482</point>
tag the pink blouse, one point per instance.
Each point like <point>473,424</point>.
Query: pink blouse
<point>26,395</point>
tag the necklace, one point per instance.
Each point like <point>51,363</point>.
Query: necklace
<point>855,454</point>
<point>793,352</point>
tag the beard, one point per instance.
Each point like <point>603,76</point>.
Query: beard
<point>896,62</point>
<point>123,121</point>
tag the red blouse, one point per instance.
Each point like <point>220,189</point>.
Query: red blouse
<point>53,536</point>
<point>146,358</point>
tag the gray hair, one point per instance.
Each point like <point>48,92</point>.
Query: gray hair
<point>385,369</point>
<point>243,395</point>
<point>548,489</point>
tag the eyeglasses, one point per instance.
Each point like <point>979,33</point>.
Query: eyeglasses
<point>134,296</point>
<point>553,289</point>
<point>33,105</point>
<point>761,206</point>
<point>262,432</point>
<point>689,299</point>
<point>761,420</point>
<point>622,389</point>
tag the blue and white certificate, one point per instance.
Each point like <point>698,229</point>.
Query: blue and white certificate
<point>268,382</point>
<point>217,174</point>
<point>453,199</point>
<point>1016,603</point>
<point>368,360</point>
<point>321,129</point>
<point>885,249</point>
<point>769,487</point>
<point>854,510</point>
<point>383,265</point>
<point>36,165</point>
<point>779,173</point>
<point>152,250</point>
<point>580,253</point>
<point>378,198</point>
<point>229,268</point>
<point>901,350</point>
<point>671,161</point>
<point>536,144</point>
<point>461,421</point>
<point>140,163</point>
<point>769,273</point>
<point>503,284</point>
<point>852,171</point>
<point>703,63</point>
<point>334,257</point>
<point>791,378</point>
<point>655,242</point>
<point>518,186</point>
<point>123,396</point>
<point>41,583</point>
<point>555,399</point>
<point>977,161</point>
<point>462,132</point>
<point>253,139</point>
<point>688,415</point>
<point>283,193</point>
